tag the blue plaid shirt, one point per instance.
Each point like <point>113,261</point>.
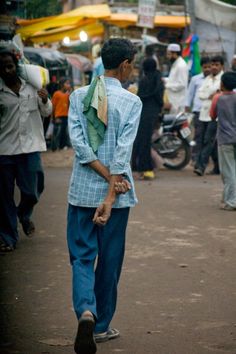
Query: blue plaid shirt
<point>87,188</point>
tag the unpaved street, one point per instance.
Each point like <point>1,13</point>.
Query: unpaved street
<point>177,293</point>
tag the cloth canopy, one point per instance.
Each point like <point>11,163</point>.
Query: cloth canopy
<point>55,28</point>
<point>71,18</point>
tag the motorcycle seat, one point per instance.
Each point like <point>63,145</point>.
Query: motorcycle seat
<point>168,119</point>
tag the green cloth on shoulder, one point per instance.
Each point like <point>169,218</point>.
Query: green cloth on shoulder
<point>95,110</point>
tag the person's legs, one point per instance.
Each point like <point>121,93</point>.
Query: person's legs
<point>209,141</point>
<point>83,249</point>
<point>30,180</point>
<point>64,136</point>
<point>56,135</point>
<point>227,159</point>
<point>8,211</point>
<point>197,135</point>
<point>111,248</point>
<point>202,132</point>
<point>215,159</point>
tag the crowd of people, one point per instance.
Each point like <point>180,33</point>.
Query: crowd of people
<point>108,127</point>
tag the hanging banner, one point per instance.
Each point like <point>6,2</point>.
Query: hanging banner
<point>146,13</point>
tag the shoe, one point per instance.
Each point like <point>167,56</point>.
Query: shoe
<point>198,172</point>
<point>28,227</point>
<point>112,333</point>
<point>148,175</point>
<point>228,207</point>
<point>213,172</point>
<point>84,341</point>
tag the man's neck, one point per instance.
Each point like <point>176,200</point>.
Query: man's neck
<point>112,74</point>
<point>14,85</point>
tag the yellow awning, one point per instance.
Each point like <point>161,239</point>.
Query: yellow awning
<point>92,29</point>
<point>125,20</point>
<point>70,18</point>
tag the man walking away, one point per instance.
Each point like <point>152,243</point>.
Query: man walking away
<point>103,121</point>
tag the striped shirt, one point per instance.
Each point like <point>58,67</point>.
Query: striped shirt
<point>87,188</point>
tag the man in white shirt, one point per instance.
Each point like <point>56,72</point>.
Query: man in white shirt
<point>177,82</point>
<point>208,128</point>
<point>193,102</point>
<point>21,140</point>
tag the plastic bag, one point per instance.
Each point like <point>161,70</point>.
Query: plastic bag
<point>36,75</point>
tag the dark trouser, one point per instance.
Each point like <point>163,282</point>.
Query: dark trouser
<point>208,145</point>
<point>96,291</point>
<point>197,135</point>
<point>60,137</point>
<point>26,170</point>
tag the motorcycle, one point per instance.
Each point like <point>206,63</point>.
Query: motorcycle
<point>174,142</point>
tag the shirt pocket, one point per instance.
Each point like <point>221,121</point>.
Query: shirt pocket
<point>32,104</point>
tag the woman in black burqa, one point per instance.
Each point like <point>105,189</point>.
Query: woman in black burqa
<point>150,91</point>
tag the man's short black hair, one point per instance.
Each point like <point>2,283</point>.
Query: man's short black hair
<point>205,60</point>
<point>217,59</point>
<point>62,81</point>
<point>229,80</point>
<point>115,51</point>
<point>6,53</point>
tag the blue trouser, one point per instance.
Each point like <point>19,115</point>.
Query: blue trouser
<point>96,290</point>
<point>26,171</point>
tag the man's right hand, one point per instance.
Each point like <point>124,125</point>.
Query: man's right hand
<point>122,186</point>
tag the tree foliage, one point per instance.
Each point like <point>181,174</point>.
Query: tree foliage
<point>39,8</point>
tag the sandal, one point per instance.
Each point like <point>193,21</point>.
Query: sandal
<point>111,333</point>
<point>4,248</point>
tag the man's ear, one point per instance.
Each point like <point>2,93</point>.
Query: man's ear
<point>124,64</point>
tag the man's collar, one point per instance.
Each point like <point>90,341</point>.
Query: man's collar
<point>112,80</point>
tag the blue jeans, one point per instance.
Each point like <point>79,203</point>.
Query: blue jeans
<point>96,289</point>
<point>227,160</point>
<point>26,170</point>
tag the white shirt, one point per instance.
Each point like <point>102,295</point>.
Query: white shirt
<point>177,84</point>
<point>21,127</point>
<point>210,85</point>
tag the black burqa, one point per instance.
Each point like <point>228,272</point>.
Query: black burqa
<point>150,91</point>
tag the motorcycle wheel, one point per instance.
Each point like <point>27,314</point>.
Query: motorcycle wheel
<point>175,152</point>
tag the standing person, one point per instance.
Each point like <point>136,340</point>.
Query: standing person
<point>60,101</point>
<point>208,128</point>
<point>98,67</point>
<point>233,63</point>
<point>224,108</point>
<point>177,82</point>
<point>193,102</point>
<point>21,140</point>
<point>150,91</point>
<point>102,132</point>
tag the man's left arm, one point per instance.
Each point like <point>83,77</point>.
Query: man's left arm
<point>123,150</point>
<point>45,105</point>
<point>120,164</point>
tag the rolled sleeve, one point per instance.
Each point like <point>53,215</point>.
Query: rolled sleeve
<point>45,108</point>
<point>122,155</point>
<point>82,149</point>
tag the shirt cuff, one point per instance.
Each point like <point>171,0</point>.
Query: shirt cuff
<point>86,157</point>
<point>119,169</point>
